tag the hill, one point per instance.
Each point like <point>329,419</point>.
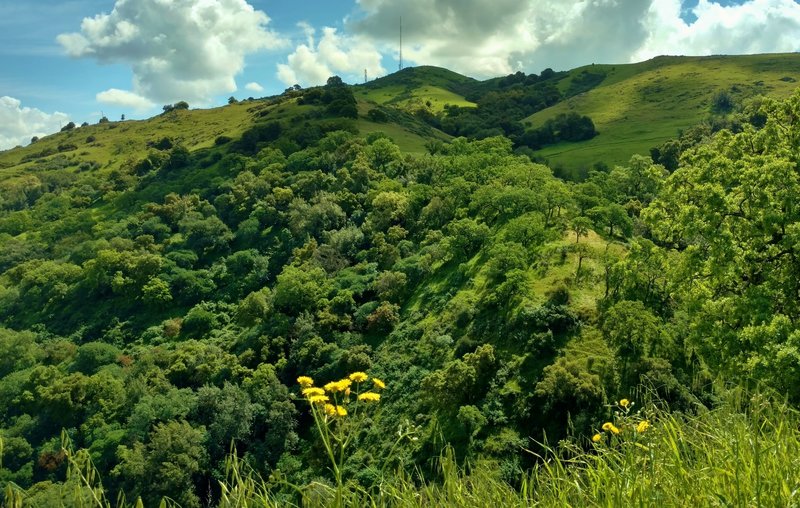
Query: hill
<point>639,106</point>
<point>279,290</point>
<point>414,86</point>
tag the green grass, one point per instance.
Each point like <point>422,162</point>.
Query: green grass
<point>434,97</point>
<point>639,106</point>
<point>408,141</point>
<point>432,87</point>
<point>410,135</point>
<point>115,142</point>
<point>744,452</point>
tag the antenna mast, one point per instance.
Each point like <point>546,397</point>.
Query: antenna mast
<point>401,43</point>
<point>365,76</point>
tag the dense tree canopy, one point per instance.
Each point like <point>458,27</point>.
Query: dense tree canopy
<point>160,311</point>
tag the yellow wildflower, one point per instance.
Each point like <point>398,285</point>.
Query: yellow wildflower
<point>309,392</point>
<point>609,427</point>
<point>330,410</point>
<point>369,397</point>
<point>338,386</point>
<point>318,399</point>
<point>358,377</point>
<point>305,381</point>
<point>378,383</point>
<point>340,411</point>
<point>597,437</point>
<point>643,426</point>
<point>625,403</point>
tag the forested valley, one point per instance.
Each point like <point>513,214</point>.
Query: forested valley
<point>304,312</point>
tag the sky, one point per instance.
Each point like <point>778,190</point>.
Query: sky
<point>78,60</point>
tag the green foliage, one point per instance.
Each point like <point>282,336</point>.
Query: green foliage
<point>158,302</point>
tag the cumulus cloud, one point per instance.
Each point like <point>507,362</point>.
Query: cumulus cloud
<point>19,124</point>
<point>491,38</point>
<point>178,50</point>
<point>124,99</point>
<point>485,39</point>
<point>254,87</point>
<point>313,62</point>
<point>755,26</point>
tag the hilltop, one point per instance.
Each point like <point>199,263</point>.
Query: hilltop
<point>634,107</point>
<point>639,106</point>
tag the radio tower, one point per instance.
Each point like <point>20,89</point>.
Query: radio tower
<point>401,43</point>
<point>365,76</point>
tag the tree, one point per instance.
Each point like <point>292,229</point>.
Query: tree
<point>613,216</point>
<point>299,288</point>
<point>467,236</point>
<point>581,226</point>
<point>634,334</point>
<point>92,356</point>
<point>730,212</point>
<point>68,127</point>
<point>334,81</point>
<point>383,152</point>
<point>166,466</point>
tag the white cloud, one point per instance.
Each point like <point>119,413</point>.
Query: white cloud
<point>486,39</point>
<point>254,87</point>
<point>755,26</point>
<point>19,124</point>
<point>312,63</point>
<point>177,49</point>
<point>124,99</point>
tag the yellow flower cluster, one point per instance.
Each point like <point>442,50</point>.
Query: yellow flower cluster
<point>322,396</point>
<point>335,411</point>
<point>369,397</point>
<point>628,421</point>
<point>338,386</point>
<point>610,427</point>
<point>318,399</point>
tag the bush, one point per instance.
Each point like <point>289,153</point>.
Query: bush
<point>94,355</point>
<point>376,115</point>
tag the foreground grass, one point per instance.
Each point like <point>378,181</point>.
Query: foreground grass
<point>746,452</point>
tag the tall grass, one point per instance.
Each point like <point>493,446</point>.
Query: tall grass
<point>745,452</point>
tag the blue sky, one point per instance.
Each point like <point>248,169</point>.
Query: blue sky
<point>133,56</point>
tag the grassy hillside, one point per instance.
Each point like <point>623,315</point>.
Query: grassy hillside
<point>418,86</point>
<point>111,144</point>
<point>638,106</point>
